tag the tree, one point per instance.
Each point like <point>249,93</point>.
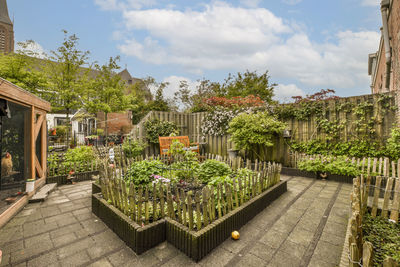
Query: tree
<point>158,102</point>
<point>248,83</point>
<point>107,92</point>
<point>22,69</point>
<point>66,75</point>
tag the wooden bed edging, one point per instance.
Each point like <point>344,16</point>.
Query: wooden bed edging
<point>79,177</point>
<point>197,245</point>
<point>139,239</point>
<point>96,188</point>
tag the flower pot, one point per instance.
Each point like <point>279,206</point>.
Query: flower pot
<point>30,186</point>
<point>233,153</point>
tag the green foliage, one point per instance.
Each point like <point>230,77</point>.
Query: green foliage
<point>212,168</point>
<point>140,172</point>
<point>186,166</point>
<point>107,91</point>
<point>249,130</point>
<point>243,173</point>
<point>393,143</point>
<point>217,180</point>
<point>99,132</point>
<point>66,78</point>
<point>133,148</point>
<point>156,128</point>
<point>248,83</point>
<point>61,130</point>
<point>19,69</point>
<point>80,154</point>
<point>384,236</point>
<point>176,148</point>
<point>340,166</point>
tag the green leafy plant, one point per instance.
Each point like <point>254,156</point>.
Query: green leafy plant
<point>217,180</point>
<point>140,172</point>
<point>249,130</point>
<point>339,166</point>
<point>212,168</point>
<point>393,144</point>
<point>384,236</point>
<point>133,148</point>
<point>61,130</point>
<point>156,128</point>
<point>243,173</point>
<point>186,167</point>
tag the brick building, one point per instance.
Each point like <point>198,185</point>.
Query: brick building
<point>384,65</point>
<point>6,29</point>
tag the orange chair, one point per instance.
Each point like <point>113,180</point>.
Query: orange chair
<point>165,143</point>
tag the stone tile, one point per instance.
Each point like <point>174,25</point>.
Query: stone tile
<point>273,238</point>
<point>284,259</point>
<point>123,256</point>
<point>332,239</point>
<point>218,257</point>
<point>263,251</point>
<point>251,260</point>
<point>65,230</point>
<point>180,260</point>
<point>165,251</point>
<point>335,228</point>
<point>6,259</point>
<point>64,239</point>
<point>328,252</point>
<point>27,253</point>
<point>319,263</point>
<point>301,237</point>
<point>44,260</point>
<point>12,247</point>
<point>75,247</point>
<point>50,211</point>
<point>293,249</point>
<point>39,239</point>
<point>76,259</point>
<point>101,263</point>
<point>148,259</point>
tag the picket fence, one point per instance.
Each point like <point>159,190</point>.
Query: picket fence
<point>361,252</point>
<point>195,209</point>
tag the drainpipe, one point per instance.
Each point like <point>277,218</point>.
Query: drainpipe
<point>384,10</point>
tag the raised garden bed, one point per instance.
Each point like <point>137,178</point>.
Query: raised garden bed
<point>138,238</point>
<point>197,244</point>
<point>96,188</point>
<point>78,177</point>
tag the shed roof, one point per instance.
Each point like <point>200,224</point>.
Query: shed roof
<point>15,93</point>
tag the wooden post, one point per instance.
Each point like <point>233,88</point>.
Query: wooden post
<point>190,210</point>
<point>376,196</point>
<point>394,213</point>
<point>385,207</point>
<point>198,212</point>
<point>368,254</point>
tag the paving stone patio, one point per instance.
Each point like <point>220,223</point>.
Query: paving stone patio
<point>305,227</point>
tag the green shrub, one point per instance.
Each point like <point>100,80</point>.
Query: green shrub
<point>61,130</point>
<point>99,132</point>
<point>217,180</point>
<point>384,236</point>
<point>156,128</point>
<point>78,155</point>
<point>393,144</point>
<point>139,173</point>
<point>133,148</point>
<point>340,166</point>
<point>186,168</point>
<point>212,168</point>
<point>249,130</point>
<point>243,173</point>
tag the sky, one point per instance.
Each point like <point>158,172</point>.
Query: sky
<point>306,45</point>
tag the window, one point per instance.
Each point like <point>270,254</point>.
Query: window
<point>2,38</point>
<point>60,121</point>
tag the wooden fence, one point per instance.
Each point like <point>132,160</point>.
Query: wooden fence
<point>193,209</point>
<point>360,251</point>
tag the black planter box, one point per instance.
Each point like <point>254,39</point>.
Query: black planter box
<point>198,244</point>
<point>138,238</point>
<point>78,177</point>
<point>332,177</point>
<point>96,188</point>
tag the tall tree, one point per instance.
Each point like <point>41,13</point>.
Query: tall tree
<point>248,83</point>
<point>67,77</point>
<point>159,101</point>
<point>107,93</point>
<point>22,69</point>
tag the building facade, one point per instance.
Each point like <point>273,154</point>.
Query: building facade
<point>384,65</point>
<point>6,29</point>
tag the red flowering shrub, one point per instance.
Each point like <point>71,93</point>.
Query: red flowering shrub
<point>234,102</point>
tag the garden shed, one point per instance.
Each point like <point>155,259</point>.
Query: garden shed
<point>23,146</point>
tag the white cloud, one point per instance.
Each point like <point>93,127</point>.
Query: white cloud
<point>370,2</point>
<point>33,49</point>
<point>174,82</point>
<point>223,37</point>
<point>284,93</point>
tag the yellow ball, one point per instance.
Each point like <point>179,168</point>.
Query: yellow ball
<point>235,235</point>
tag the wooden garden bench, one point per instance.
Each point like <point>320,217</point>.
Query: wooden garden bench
<point>165,143</point>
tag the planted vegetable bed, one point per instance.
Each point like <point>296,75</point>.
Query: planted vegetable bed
<point>212,195</point>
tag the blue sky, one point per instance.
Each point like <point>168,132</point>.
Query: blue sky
<point>305,44</point>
